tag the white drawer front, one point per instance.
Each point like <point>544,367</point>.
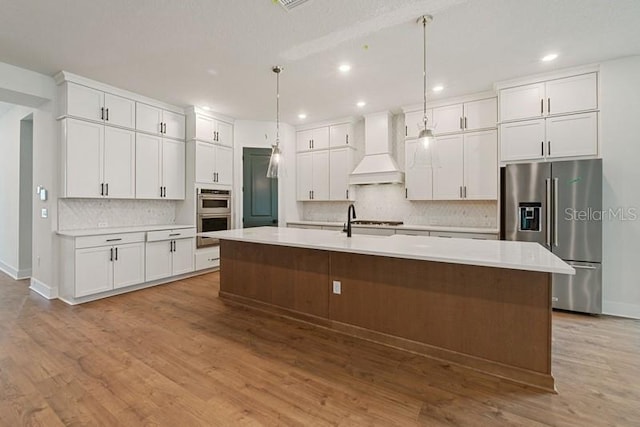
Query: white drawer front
<point>108,240</point>
<point>154,236</point>
<point>208,259</point>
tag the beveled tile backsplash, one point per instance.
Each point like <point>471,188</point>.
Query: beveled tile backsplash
<point>78,214</point>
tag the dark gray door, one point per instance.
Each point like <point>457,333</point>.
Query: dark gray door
<point>577,189</point>
<point>260,196</point>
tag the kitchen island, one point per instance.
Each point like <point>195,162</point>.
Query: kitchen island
<point>485,305</point>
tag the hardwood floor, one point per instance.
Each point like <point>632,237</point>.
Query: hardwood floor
<point>176,355</point>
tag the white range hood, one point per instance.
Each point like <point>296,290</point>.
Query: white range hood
<point>378,165</point>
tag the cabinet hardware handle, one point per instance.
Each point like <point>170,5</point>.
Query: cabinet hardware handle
<point>542,148</point>
<point>465,122</point>
<point>160,127</point>
<point>347,193</point>
<point>106,186</point>
<point>542,106</point>
<point>111,254</point>
<point>160,191</point>
<point>313,143</point>
<point>461,191</point>
<point>406,130</point>
<point>107,119</point>
<point>114,240</point>
<point>101,113</point>
<point>465,191</point>
<point>174,246</point>
<point>406,193</point>
<point>347,138</point>
<point>555,211</point>
<point>549,149</point>
<point>548,106</point>
<point>170,245</point>
<point>102,189</point>
<point>116,254</point>
<point>547,239</point>
<point>461,123</point>
<point>165,128</point>
<point>174,234</point>
<point>309,194</point>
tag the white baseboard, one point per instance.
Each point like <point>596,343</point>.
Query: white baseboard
<point>43,289</point>
<point>24,274</point>
<point>9,270</point>
<point>621,309</point>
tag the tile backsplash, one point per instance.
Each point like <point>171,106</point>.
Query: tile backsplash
<point>77,214</point>
<point>387,202</point>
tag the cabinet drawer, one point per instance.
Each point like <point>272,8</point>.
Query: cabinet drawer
<point>413,232</point>
<point>209,258</point>
<point>155,236</point>
<point>108,240</point>
<point>478,236</point>
<point>371,231</point>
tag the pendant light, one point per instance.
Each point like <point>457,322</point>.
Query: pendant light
<point>275,161</point>
<point>425,154</point>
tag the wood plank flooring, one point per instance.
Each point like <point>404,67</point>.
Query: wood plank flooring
<point>176,355</point>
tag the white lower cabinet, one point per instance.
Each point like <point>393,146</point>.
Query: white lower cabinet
<point>169,253</point>
<point>207,258</point>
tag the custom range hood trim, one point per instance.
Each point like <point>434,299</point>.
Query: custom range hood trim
<point>378,165</point>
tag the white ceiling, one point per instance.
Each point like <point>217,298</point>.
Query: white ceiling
<point>219,53</point>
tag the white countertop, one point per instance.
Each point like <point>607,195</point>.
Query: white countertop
<point>117,230</point>
<point>403,227</point>
<point>489,253</point>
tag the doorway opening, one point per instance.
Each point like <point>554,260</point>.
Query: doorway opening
<point>25,210</point>
<point>260,194</point>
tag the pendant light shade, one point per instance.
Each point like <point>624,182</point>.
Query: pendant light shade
<point>425,154</point>
<point>275,169</point>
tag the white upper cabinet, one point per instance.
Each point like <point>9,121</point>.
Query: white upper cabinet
<point>340,166</point>
<point>414,122</point>
<point>205,128</point>
<point>304,176</point>
<point>160,168</point>
<point>572,135</point>
<point>213,164</point>
<point>313,139</point>
<point>224,133</point>
<point>559,96</point>
<point>522,140</point>
<point>173,169</point>
<point>92,104</point>
<point>157,121</point>
<point>418,176</point>
<point>448,119</point>
<point>448,173</point>
<point>99,161</point>
<point>482,114</point>
<point>224,165</point>
<point>340,135</point>
<point>481,165</point>
<point>313,176</point>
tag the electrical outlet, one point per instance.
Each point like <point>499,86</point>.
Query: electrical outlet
<point>102,225</point>
<point>337,287</point>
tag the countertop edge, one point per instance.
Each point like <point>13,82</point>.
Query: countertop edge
<point>118,230</point>
<point>404,227</point>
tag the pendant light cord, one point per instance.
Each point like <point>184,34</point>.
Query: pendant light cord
<point>278,107</point>
<point>424,70</point>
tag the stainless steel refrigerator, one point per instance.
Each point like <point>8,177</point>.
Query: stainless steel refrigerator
<point>559,205</point>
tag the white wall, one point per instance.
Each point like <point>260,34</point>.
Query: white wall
<point>250,133</point>
<point>620,109</point>
<point>36,92</point>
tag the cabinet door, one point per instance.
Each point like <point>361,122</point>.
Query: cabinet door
<point>448,174</point>
<point>574,135</point>
<point>418,175</point>
<point>173,169</point>
<point>522,140</point>
<point>340,166</point>
<point>94,271</point>
<point>158,257</point>
<point>304,176</point>
<point>303,140</point>
<point>119,163</point>
<point>320,138</point>
<point>414,122</point>
<point>84,102</point>
<point>128,265</point>
<point>148,118</point>
<point>148,166</point>
<point>205,162</point>
<point>481,165</point>
<point>340,135</point>
<point>481,114</point>
<point>204,128</point>
<point>174,125</point>
<point>225,134</point>
<point>522,102</point>
<point>224,165</point>
<point>320,168</point>
<point>119,111</point>
<point>572,94</point>
<point>447,119</point>
<point>83,144</point>
<point>183,256</point>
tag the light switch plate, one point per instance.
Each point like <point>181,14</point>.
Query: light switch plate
<point>337,287</point>
<point>44,213</point>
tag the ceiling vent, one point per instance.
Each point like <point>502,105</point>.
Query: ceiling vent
<point>290,4</point>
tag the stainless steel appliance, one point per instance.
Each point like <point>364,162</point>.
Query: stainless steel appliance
<point>213,214</point>
<point>559,205</point>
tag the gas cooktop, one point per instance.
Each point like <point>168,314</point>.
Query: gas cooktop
<point>371,222</point>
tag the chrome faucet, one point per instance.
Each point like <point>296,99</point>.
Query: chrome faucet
<point>351,210</point>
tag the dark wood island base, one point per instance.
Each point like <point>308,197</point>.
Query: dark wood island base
<point>494,320</point>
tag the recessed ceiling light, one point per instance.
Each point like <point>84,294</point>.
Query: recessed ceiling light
<point>302,116</point>
<point>550,57</point>
<point>344,68</point>
<point>361,104</point>
<point>206,108</point>
<point>438,88</point>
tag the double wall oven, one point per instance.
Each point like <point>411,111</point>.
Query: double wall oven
<point>213,214</point>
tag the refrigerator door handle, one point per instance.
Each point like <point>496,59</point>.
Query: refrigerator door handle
<point>555,212</point>
<point>547,224</point>
<point>584,267</point>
